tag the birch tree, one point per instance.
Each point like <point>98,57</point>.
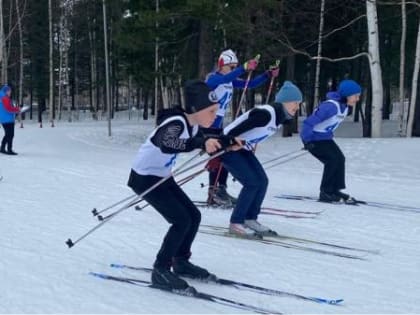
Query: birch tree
<point>414,87</point>
<point>402,65</point>
<point>318,61</point>
<point>375,67</point>
<point>19,22</point>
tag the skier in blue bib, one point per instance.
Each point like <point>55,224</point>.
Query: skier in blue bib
<point>223,81</point>
<point>253,127</point>
<point>317,136</point>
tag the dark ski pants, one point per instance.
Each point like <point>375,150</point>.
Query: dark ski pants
<point>246,168</point>
<point>218,181</point>
<point>9,133</point>
<point>178,210</point>
<point>328,152</point>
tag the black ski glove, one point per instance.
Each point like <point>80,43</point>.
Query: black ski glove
<point>226,141</point>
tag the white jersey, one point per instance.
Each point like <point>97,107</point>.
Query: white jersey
<point>333,122</point>
<point>150,160</point>
<point>224,94</point>
<point>258,134</point>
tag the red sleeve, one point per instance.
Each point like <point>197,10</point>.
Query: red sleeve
<point>8,106</point>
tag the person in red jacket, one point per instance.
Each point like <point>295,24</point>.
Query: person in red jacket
<point>7,119</point>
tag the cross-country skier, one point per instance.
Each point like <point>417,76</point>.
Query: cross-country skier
<point>223,81</point>
<point>177,132</point>
<point>317,135</point>
<point>7,118</point>
<point>255,126</point>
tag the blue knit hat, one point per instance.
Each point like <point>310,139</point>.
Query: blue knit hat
<point>5,88</point>
<point>348,87</point>
<point>288,93</point>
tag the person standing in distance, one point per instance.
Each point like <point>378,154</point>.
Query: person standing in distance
<point>7,118</point>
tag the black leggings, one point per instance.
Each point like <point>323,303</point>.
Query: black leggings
<point>177,208</point>
<point>9,133</point>
<point>328,152</point>
<point>222,180</point>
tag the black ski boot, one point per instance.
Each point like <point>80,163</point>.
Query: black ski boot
<point>222,191</point>
<point>347,199</point>
<point>163,278</point>
<point>184,268</point>
<point>328,197</point>
<point>217,199</point>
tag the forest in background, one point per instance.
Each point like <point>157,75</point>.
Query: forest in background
<point>53,53</point>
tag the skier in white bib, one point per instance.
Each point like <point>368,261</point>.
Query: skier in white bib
<point>253,127</point>
<point>177,132</point>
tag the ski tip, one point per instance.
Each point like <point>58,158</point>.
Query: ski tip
<point>117,266</point>
<point>95,274</point>
<point>94,212</point>
<point>326,301</point>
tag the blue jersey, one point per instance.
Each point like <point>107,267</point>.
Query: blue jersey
<point>324,120</point>
<point>223,85</point>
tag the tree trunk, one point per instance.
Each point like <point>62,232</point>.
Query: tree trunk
<point>414,87</point>
<point>318,61</point>
<point>290,128</point>
<point>156,98</point>
<point>93,72</point>
<point>3,58</point>
<point>204,50</point>
<point>402,66</point>
<point>375,68</point>
<point>51,66</point>
<point>20,97</point>
<point>108,101</point>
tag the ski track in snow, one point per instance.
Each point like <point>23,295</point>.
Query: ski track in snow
<point>49,190</point>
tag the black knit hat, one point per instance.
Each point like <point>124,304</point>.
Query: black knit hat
<point>198,96</point>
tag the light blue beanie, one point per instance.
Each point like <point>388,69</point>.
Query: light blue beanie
<point>288,93</point>
<point>348,87</point>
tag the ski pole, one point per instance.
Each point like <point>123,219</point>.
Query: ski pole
<point>71,243</point>
<point>281,156</point>
<point>180,183</point>
<point>287,160</point>
<point>95,212</point>
<point>248,79</point>
<point>270,88</point>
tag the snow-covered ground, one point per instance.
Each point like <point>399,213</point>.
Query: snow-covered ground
<point>49,189</point>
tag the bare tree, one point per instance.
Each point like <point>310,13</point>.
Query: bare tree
<point>375,67</point>
<point>318,61</point>
<point>156,64</point>
<point>108,100</point>
<point>51,65</point>
<point>414,87</point>
<point>20,97</point>
<point>2,45</point>
<point>402,65</point>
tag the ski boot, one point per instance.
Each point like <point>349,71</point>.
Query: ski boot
<point>164,279</point>
<point>184,268</point>
<point>242,231</point>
